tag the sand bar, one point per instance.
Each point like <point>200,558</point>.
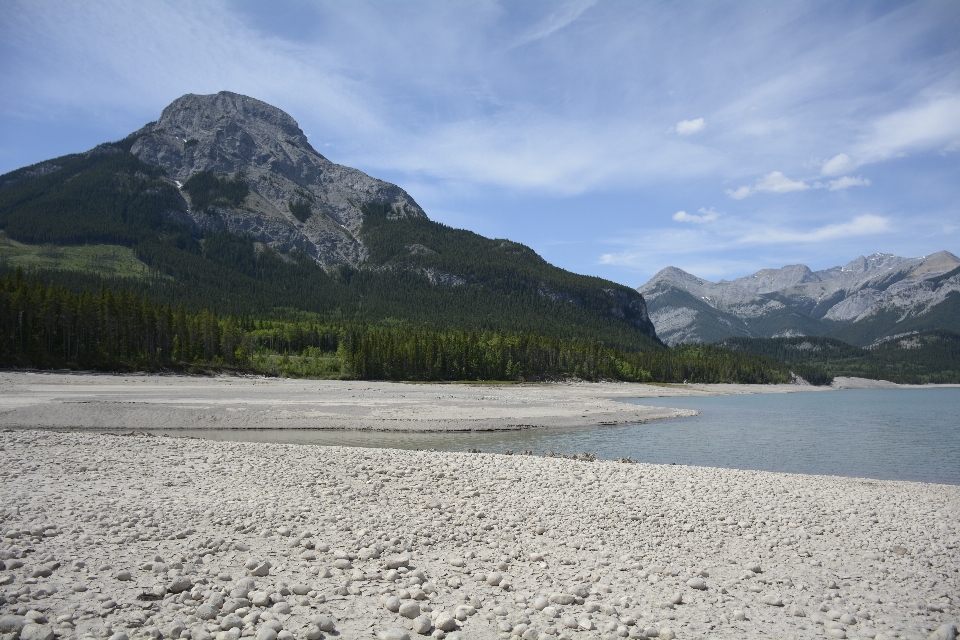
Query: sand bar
<point>146,402</point>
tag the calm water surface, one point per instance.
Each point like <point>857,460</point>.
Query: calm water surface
<point>897,434</point>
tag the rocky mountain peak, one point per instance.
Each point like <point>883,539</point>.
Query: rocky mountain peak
<point>298,199</point>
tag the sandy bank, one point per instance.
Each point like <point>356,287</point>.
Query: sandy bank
<point>144,402</point>
<point>112,537</point>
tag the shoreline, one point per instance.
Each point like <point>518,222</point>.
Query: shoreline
<point>234,540</point>
<point>144,402</point>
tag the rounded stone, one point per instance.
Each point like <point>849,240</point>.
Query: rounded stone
<point>179,584</point>
<point>445,622</point>
<point>422,625</point>
<point>206,611</point>
<point>394,634</point>
<point>409,610</point>
<point>697,583</point>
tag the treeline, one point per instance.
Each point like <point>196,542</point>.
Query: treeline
<point>49,326</point>
<point>927,357</point>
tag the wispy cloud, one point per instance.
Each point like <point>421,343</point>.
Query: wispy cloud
<point>930,125</point>
<point>846,182</point>
<point>563,16</point>
<point>859,226</point>
<point>838,165</point>
<point>702,216</point>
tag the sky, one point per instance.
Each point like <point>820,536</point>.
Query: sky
<point>614,138</point>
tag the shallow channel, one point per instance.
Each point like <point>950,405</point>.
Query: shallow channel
<point>893,434</point>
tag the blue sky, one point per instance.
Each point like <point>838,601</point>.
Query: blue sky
<point>615,138</point>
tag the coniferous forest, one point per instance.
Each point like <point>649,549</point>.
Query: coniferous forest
<point>50,326</point>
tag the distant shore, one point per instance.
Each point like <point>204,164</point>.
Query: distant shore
<point>143,402</point>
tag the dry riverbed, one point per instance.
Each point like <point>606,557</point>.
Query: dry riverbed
<point>108,536</point>
<point>145,402</point>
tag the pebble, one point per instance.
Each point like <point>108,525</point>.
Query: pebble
<point>394,634</point>
<point>551,557</point>
<point>422,625</point>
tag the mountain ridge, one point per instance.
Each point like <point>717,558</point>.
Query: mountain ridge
<point>225,200</point>
<point>882,290</point>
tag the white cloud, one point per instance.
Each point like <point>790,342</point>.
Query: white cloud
<point>705,215</point>
<point>920,128</point>
<point>776,182</point>
<point>846,182</point>
<point>860,226</point>
<point>838,165</point>
<point>689,127</point>
<point>773,182</point>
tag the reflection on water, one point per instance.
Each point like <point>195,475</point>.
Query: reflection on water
<point>901,434</point>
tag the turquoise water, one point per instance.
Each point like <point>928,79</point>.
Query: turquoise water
<point>895,434</point>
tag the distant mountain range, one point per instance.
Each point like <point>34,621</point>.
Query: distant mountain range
<point>862,302</point>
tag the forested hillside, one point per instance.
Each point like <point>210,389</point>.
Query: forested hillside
<point>419,272</point>
<point>53,327</point>
<point>918,358</point>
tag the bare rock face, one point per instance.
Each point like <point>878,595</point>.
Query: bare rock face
<point>229,134</point>
<point>795,301</point>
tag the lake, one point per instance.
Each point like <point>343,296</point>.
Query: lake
<point>894,434</point>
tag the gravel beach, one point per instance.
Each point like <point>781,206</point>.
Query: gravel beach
<point>134,536</point>
<point>112,536</point>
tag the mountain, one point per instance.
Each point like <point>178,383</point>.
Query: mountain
<point>222,203</point>
<point>866,300</point>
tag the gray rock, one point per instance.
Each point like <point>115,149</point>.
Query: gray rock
<point>409,610</point>
<point>312,633</point>
<point>33,631</point>
<point>285,635</point>
<point>266,633</point>
<point>174,629</point>
<point>392,604</point>
<point>200,633</point>
<point>394,634</point>
<point>697,583</point>
<point>422,625</point>
<point>402,560</point>
<point>324,623</point>
<point>754,566</point>
<point>179,584</point>
<point>445,622</point>
<point>944,632</point>
<point>11,623</point>
<point>119,635</point>
<point>231,621</point>
<point>206,611</point>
